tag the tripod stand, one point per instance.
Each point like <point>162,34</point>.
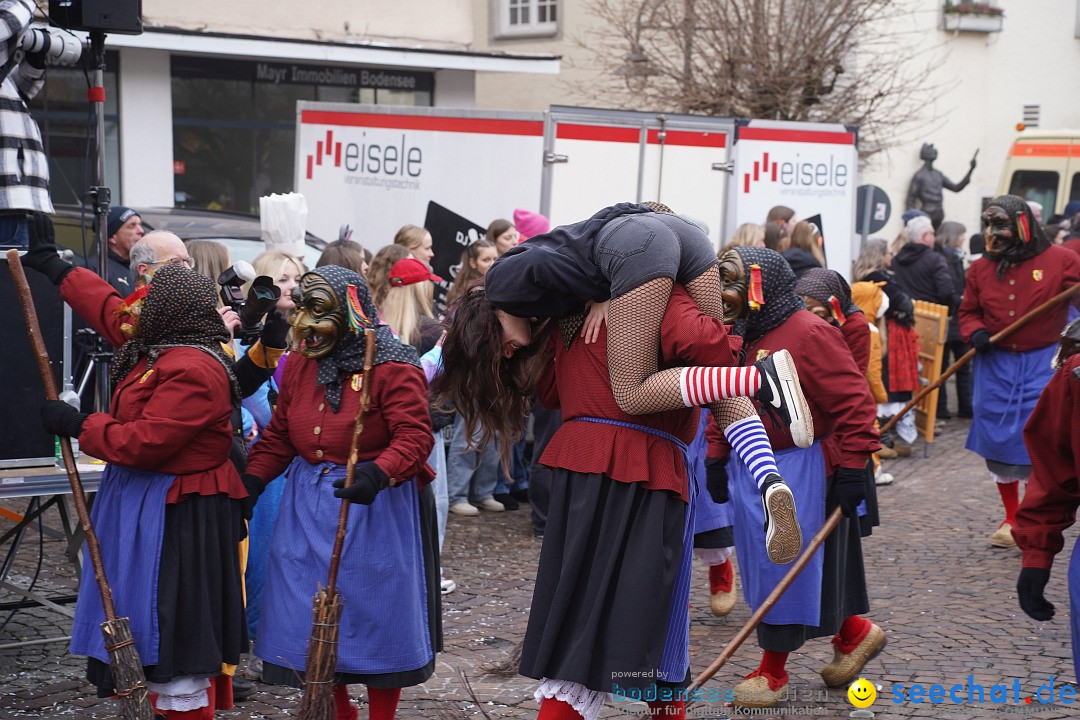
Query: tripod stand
<point>101,197</point>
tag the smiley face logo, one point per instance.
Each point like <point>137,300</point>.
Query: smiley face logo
<point>862,693</point>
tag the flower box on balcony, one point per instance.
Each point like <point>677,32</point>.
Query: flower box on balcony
<point>972,22</point>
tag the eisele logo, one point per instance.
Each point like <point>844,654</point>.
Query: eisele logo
<point>799,175</point>
<point>380,162</point>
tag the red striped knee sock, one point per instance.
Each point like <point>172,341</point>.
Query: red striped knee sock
<point>704,385</point>
<point>382,703</point>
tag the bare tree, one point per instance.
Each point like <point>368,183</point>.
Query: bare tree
<point>841,61</point>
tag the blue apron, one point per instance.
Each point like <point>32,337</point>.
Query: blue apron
<point>384,624</point>
<point>129,518</point>
<point>801,604</point>
<point>708,515</point>
<point>675,660</point>
<point>1007,386</point>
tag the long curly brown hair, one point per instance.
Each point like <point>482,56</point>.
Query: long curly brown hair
<point>492,393</point>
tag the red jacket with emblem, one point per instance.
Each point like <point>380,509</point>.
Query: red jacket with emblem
<point>995,303</point>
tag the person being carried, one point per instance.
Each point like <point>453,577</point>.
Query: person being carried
<point>630,255</point>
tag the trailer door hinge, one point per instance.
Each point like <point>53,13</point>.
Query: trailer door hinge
<point>728,166</point>
<point>551,158</point>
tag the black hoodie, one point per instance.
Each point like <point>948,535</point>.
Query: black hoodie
<point>924,275</point>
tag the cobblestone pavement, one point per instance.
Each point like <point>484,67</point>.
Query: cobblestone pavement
<point>945,599</point>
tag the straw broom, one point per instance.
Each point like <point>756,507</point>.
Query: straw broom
<point>124,662</point>
<point>318,698</point>
<point>834,517</point>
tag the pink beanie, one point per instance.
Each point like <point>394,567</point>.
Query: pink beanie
<point>530,224</point>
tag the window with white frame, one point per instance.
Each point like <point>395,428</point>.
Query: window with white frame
<point>520,18</point>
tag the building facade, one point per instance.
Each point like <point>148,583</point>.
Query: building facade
<point>988,74</point>
<point>201,106</point>
<point>202,113</point>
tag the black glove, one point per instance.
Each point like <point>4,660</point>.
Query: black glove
<point>61,419</point>
<point>1029,590</point>
<point>981,340</point>
<point>716,479</point>
<point>43,255</point>
<point>254,487</point>
<point>849,489</point>
<point>367,482</point>
<point>275,331</point>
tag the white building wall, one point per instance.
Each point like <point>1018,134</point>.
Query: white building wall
<point>146,142</point>
<point>455,88</point>
<point>987,78</point>
<point>446,23</point>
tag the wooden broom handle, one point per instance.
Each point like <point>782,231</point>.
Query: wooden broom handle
<point>781,587</point>
<point>354,452</point>
<point>37,343</point>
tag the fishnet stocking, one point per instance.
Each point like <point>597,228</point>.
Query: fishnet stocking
<point>732,410</point>
<point>633,347</point>
<point>634,338</point>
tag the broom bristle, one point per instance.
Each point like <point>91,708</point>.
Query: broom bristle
<point>127,671</point>
<point>318,699</point>
<point>508,666</point>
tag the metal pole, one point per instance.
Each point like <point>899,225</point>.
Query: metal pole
<point>867,206</point>
<point>101,196</point>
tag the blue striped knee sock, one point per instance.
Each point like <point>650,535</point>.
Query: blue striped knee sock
<point>751,443</point>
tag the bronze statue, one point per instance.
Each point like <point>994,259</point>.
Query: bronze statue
<point>926,185</point>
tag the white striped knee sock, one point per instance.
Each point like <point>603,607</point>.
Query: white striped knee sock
<point>751,443</point>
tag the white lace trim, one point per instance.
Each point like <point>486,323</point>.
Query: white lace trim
<point>181,694</point>
<point>587,702</point>
<point>712,556</point>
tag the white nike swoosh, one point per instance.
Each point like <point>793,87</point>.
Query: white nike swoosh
<point>777,400</point>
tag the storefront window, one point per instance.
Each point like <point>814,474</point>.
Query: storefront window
<point>234,122</point>
<point>66,120</point>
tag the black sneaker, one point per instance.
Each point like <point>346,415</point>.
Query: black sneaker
<point>783,538</point>
<point>781,393</point>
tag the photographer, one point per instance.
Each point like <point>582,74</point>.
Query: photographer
<point>24,169</point>
<point>257,365</point>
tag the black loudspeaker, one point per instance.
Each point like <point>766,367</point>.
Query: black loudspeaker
<point>22,440</point>
<point>109,16</point>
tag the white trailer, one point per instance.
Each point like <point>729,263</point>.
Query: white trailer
<point>378,168</point>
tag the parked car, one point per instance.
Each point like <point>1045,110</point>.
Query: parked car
<point>239,232</point>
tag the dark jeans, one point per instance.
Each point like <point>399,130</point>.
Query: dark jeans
<point>14,230</point>
<point>953,350</point>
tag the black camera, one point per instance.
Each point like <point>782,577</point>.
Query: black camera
<point>261,298</point>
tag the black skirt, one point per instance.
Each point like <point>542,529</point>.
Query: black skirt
<point>603,587</point>
<point>429,538</point>
<point>200,605</point>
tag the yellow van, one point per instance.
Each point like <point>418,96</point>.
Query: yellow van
<point>1044,166</point>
